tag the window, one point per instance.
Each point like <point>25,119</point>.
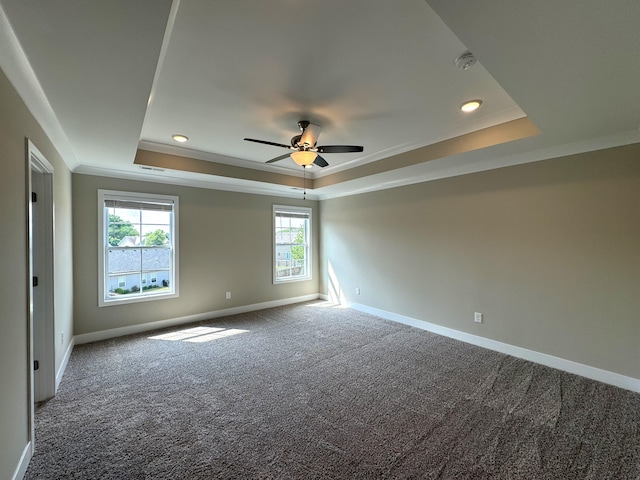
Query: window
<point>138,236</point>
<point>292,243</point>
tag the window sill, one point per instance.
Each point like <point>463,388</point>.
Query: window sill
<point>137,299</point>
<point>292,280</point>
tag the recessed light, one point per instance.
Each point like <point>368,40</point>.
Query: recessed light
<point>471,105</point>
<point>179,137</point>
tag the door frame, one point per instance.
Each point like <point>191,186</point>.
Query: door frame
<point>43,239</point>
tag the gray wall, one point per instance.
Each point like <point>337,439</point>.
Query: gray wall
<point>16,123</point>
<point>548,251</point>
<point>225,244</point>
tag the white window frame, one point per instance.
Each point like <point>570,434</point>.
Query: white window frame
<point>103,300</point>
<point>309,235</point>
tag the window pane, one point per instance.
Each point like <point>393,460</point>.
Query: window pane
<point>139,246</point>
<point>291,243</point>
<point>156,258</point>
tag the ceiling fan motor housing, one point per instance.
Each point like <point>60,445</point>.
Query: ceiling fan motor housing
<point>295,141</point>
<point>310,134</point>
<point>306,143</point>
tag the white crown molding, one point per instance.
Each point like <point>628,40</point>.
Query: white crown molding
<point>188,179</point>
<point>216,158</point>
<point>16,67</point>
<point>470,162</point>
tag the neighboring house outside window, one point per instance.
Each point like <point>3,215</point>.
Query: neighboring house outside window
<point>292,243</point>
<point>138,247</point>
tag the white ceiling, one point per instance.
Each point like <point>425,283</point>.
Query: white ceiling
<point>107,78</point>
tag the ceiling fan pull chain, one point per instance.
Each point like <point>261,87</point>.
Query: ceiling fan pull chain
<point>304,183</point>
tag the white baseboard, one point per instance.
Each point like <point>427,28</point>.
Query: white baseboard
<point>25,458</point>
<point>171,322</point>
<point>65,362</point>
<point>587,371</point>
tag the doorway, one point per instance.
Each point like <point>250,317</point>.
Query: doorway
<point>41,272</point>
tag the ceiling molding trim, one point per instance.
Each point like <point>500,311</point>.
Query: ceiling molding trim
<point>468,163</point>
<point>186,164</point>
<point>175,5</point>
<point>194,180</point>
<point>216,158</point>
<point>486,137</point>
<point>15,65</point>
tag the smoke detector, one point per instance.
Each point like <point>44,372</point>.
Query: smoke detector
<point>465,61</point>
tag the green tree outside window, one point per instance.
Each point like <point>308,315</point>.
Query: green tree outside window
<point>119,228</point>
<point>297,251</point>
<point>157,237</point>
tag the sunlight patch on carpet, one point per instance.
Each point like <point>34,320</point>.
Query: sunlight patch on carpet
<point>327,304</point>
<point>198,334</point>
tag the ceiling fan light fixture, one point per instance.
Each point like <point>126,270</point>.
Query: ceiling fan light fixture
<point>304,157</point>
<point>178,137</point>
<point>471,105</point>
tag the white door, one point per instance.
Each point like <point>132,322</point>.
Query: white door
<point>41,261</point>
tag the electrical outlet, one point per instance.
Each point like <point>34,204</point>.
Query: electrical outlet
<point>477,317</point>
<point>357,290</point>
<point>228,296</point>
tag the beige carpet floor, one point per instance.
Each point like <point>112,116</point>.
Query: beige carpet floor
<point>310,391</point>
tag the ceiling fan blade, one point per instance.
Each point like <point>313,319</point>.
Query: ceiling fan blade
<point>340,149</point>
<point>281,157</point>
<point>321,162</point>
<point>268,143</point>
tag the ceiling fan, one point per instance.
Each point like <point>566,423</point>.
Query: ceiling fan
<point>305,146</point>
